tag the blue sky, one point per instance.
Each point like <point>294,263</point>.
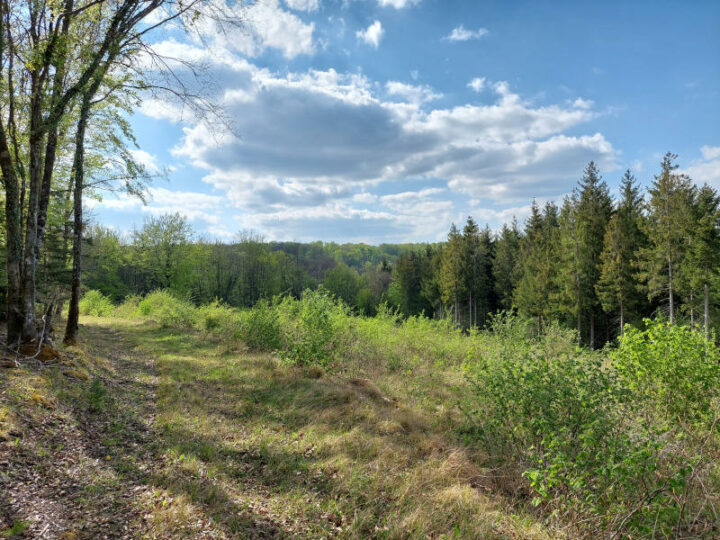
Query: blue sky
<point>387,120</point>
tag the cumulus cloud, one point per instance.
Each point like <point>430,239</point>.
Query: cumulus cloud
<point>303,5</point>
<point>307,148</point>
<point>372,34</point>
<point>460,33</point>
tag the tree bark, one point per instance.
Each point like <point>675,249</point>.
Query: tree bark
<point>72,326</point>
<point>592,330</point>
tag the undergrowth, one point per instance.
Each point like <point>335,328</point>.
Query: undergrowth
<point>622,442</point>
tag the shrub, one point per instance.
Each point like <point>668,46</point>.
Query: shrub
<point>317,328</point>
<point>129,308</point>
<point>673,368</point>
<point>168,310</point>
<point>261,327</point>
<point>96,303</point>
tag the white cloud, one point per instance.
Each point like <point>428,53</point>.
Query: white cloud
<point>303,5</point>
<point>581,103</point>
<point>398,4</point>
<point>477,84</point>
<point>460,33</point>
<point>372,34</point>
<point>313,145</point>
<point>412,93</point>
<point>707,169</point>
<point>147,160</point>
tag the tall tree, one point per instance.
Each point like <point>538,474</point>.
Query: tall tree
<point>618,287</point>
<point>505,267</point>
<point>452,279</point>
<point>593,213</point>
<point>701,266</point>
<point>666,226</point>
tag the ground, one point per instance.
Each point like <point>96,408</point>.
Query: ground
<point>143,432</point>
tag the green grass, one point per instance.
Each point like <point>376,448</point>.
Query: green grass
<point>248,441</point>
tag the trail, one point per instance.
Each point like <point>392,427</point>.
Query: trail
<point>75,473</point>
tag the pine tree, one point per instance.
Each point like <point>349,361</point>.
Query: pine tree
<point>666,226</point>
<point>569,298</point>
<point>452,282</point>
<point>618,287</point>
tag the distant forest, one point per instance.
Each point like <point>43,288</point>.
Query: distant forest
<point>592,263</point>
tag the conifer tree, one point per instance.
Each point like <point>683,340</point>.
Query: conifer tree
<point>593,213</point>
<point>539,257</point>
<point>618,287</point>
<point>666,226</point>
<point>505,265</point>
<point>701,267</point>
<point>452,282</point>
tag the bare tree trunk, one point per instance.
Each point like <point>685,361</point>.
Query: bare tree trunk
<point>692,310</point>
<point>706,314</point>
<point>592,330</point>
<point>670,294</point>
<point>72,326</point>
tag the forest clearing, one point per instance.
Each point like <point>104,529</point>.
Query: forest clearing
<point>299,419</point>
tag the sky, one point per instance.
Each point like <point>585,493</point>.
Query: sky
<point>387,120</point>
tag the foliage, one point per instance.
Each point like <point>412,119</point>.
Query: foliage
<point>96,303</point>
<point>261,327</point>
<point>315,328</point>
<point>167,309</point>
<point>671,368</point>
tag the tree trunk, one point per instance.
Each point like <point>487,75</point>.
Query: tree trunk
<point>72,326</point>
<point>706,311</point>
<point>692,311</point>
<point>622,319</point>
<point>14,242</point>
<point>670,294</point>
<point>592,330</point>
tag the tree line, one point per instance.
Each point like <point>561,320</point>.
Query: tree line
<point>593,263</point>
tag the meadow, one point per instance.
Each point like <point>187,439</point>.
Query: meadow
<point>621,442</point>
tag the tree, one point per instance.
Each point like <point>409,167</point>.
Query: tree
<point>538,285</point>
<point>452,281</point>
<point>701,266</point>
<point>593,213</point>
<point>618,287</point>
<point>505,266</point>
<point>343,282</point>
<point>666,226</point>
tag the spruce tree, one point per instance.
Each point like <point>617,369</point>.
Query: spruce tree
<point>593,213</point>
<point>701,267</point>
<point>505,265</point>
<point>452,281</point>
<point>618,287</point>
<point>666,226</point>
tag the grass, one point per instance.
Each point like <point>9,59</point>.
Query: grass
<point>337,455</point>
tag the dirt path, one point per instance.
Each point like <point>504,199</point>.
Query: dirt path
<point>83,449</point>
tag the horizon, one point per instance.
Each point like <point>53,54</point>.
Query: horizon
<point>386,121</point>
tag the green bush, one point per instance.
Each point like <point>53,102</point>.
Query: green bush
<point>168,310</point>
<point>671,367</point>
<point>129,308</point>
<point>96,303</point>
<point>317,328</point>
<point>261,327</point>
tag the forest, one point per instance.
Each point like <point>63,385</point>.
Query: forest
<point>557,376</point>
